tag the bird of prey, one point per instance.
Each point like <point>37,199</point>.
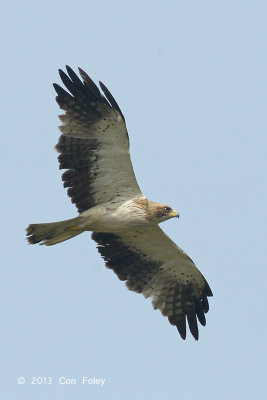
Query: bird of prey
<point>94,150</point>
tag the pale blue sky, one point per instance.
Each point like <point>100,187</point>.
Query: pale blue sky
<point>188,76</point>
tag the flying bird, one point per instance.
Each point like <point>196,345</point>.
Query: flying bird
<point>94,150</point>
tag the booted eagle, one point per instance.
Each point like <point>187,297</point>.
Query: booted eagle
<point>94,150</point>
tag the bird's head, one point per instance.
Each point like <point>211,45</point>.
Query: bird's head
<point>161,212</point>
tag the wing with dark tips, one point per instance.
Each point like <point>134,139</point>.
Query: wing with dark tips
<point>153,265</point>
<point>94,144</point>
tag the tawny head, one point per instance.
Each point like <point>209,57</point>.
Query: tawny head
<point>161,212</point>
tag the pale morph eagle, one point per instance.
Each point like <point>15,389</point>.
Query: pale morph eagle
<point>94,150</point>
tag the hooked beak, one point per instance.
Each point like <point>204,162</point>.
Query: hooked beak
<point>174,213</point>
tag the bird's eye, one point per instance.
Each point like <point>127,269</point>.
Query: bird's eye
<point>168,209</point>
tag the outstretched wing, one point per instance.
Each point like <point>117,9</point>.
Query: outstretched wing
<point>94,145</point>
<point>153,265</point>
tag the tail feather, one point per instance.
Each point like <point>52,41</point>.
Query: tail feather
<point>53,232</point>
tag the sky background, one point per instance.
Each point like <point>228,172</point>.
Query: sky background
<point>188,76</point>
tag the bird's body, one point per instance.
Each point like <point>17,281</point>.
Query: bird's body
<point>94,148</point>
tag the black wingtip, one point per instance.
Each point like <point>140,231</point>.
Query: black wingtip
<point>74,76</point>
<point>60,91</point>
<point>180,325</point>
<point>110,98</point>
<point>63,75</point>
<point>200,312</point>
<point>70,72</point>
<point>208,291</point>
<point>205,304</point>
<point>81,71</point>
<point>56,87</point>
<point>61,72</point>
<point>192,323</point>
<point>182,332</point>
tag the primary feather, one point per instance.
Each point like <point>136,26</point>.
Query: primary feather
<point>94,150</point>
